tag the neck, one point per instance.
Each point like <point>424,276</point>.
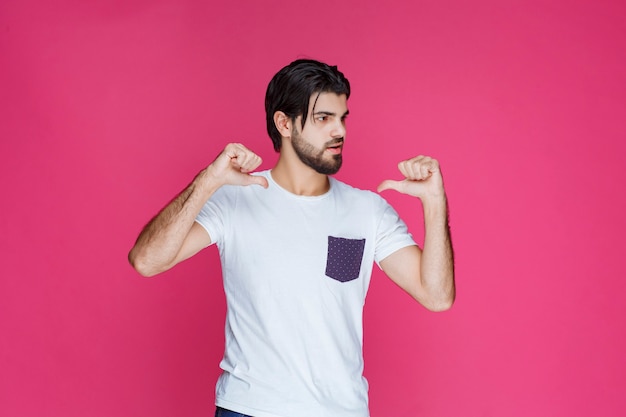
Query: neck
<point>296,177</point>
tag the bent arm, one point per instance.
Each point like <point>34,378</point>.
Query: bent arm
<point>173,235</point>
<point>428,274</point>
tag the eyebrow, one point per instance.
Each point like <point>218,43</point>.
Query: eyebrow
<point>328,113</point>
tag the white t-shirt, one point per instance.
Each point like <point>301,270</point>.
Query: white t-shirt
<point>296,271</point>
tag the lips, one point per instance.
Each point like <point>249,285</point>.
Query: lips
<point>335,148</point>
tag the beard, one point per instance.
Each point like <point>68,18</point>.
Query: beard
<point>314,158</point>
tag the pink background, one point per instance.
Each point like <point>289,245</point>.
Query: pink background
<point>108,109</point>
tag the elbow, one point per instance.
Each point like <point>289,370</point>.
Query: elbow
<point>441,297</point>
<point>140,264</point>
<point>145,272</point>
<point>440,306</point>
<point>441,303</point>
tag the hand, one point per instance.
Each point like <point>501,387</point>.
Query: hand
<point>422,179</point>
<point>234,165</point>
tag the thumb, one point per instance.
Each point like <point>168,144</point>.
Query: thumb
<point>256,180</point>
<point>389,185</point>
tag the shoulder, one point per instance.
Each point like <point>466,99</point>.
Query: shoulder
<point>347,191</point>
<point>231,192</point>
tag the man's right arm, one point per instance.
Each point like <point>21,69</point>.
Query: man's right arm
<point>173,235</point>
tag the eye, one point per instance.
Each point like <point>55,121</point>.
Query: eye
<point>321,118</point>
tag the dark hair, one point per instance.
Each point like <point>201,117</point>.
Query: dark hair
<point>292,87</point>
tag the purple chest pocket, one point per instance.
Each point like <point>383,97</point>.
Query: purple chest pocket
<point>343,261</point>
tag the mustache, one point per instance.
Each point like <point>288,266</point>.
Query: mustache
<point>334,142</point>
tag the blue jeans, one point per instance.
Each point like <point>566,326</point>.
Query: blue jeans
<point>222,412</point>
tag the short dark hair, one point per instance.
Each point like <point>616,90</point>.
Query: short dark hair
<point>292,87</point>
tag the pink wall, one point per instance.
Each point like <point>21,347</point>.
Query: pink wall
<point>107,109</point>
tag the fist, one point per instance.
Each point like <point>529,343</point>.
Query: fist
<point>234,164</point>
<point>422,178</point>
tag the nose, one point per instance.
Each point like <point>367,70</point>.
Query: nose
<point>339,129</point>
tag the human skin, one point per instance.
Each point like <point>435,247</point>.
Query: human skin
<point>426,274</point>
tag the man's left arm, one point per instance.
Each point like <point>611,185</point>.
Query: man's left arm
<point>428,274</point>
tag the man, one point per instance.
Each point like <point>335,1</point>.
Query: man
<point>297,249</point>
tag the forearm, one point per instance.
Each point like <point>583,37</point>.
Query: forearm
<point>161,239</point>
<point>437,264</point>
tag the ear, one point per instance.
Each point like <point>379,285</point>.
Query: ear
<point>283,124</point>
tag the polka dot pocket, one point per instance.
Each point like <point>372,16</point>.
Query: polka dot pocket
<point>343,261</point>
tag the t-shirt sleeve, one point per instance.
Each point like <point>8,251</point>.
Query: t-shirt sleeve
<point>392,234</point>
<point>213,214</point>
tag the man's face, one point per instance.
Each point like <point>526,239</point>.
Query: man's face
<point>320,143</point>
